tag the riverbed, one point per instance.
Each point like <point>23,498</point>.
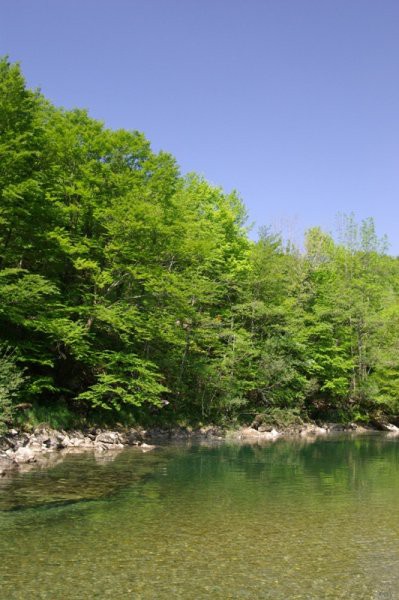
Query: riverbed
<point>286,519</point>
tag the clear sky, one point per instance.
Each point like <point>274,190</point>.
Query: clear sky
<point>293,103</point>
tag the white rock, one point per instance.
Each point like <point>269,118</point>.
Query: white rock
<point>109,437</point>
<point>390,427</point>
<point>249,432</point>
<point>147,447</point>
<point>24,455</point>
<point>66,442</point>
<point>320,430</point>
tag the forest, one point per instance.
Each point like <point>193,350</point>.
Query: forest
<point>129,292</point>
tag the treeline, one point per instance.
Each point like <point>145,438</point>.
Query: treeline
<point>128,290</point>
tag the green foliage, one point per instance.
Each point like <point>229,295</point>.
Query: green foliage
<point>124,379</point>
<point>11,383</point>
<point>279,418</point>
<point>56,415</point>
<point>124,284</point>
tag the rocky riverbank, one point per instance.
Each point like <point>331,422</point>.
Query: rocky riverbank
<point>19,448</point>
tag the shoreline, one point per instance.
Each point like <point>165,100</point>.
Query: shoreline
<point>19,448</point>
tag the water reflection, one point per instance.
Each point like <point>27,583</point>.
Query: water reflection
<point>291,519</point>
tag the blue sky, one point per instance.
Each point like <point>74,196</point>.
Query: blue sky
<point>293,103</point>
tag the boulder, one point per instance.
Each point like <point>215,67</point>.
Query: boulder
<point>65,442</point>
<point>249,432</point>
<point>24,455</point>
<point>5,443</point>
<point>88,442</point>
<point>109,437</point>
<point>264,428</point>
<point>45,438</point>
<point>336,427</point>
<point>147,447</point>
<point>76,442</point>
<point>391,428</point>
<point>35,445</point>
<point>134,438</point>
<point>383,425</point>
<point>268,435</point>
<point>313,430</point>
<point>79,435</point>
<point>23,439</point>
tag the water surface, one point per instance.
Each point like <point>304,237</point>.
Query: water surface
<point>292,519</point>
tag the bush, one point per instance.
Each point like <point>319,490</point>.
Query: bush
<point>11,382</point>
<point>56,415</point>
<point>279,417</point>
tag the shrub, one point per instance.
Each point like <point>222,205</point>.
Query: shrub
<point>11,382</point>
<point>279,417</point>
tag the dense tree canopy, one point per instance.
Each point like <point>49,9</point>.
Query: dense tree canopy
<point>125,286</point>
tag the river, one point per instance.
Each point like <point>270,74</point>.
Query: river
<point>290,519</point>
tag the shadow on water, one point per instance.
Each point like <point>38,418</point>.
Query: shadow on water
<point>75,478</point>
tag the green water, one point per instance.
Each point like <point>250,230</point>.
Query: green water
<point>287,520</point>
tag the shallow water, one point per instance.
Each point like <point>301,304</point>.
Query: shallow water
<point>292,519</point>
